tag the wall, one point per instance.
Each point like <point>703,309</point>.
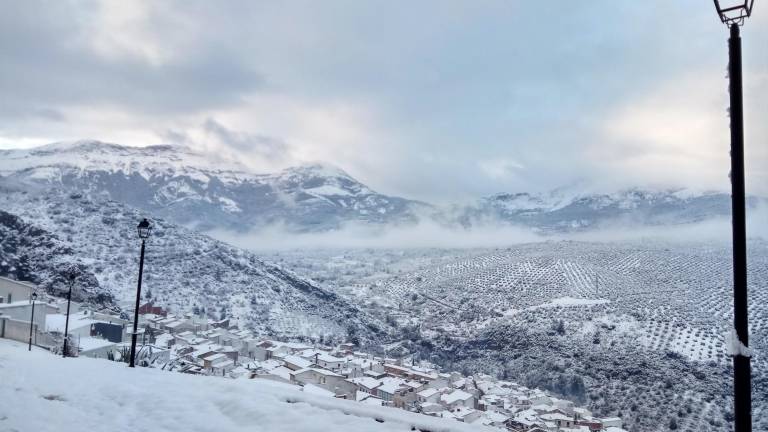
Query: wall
<point>17,290</point>
<point>22,311</point>
<point>16,330</point>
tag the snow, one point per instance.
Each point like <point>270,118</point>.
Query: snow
<point>315,390</point>
<point>327,190</point>
<point>56,322</point>
<point>570,301</point>
<point>455,396</point>
<point>89,343</point>
<point>734,346</point>
<point>47,393</point>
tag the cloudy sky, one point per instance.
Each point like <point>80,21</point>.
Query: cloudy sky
<point>437,100</point>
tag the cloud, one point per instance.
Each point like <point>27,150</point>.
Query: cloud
<point>427,234</point>
<point>500,168</point>
<point>437,101</point>
<point>423,235</point>
<point>679,133</point>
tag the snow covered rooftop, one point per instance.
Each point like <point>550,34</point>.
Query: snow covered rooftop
<point>89,344</point>
<point>77,394</point>
<point>55,322</point>
<point>455,396</point>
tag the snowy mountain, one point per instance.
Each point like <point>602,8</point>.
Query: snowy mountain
<point>206,191</point>
<point>46,230</point>
<point>558,211</point>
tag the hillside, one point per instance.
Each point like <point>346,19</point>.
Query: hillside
<point>184,270</point>
<point>97,395</point>
<point>205,190</point>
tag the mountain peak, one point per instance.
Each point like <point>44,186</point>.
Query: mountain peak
<point>318,169</point>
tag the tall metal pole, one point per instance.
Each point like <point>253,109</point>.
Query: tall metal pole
<point>742,385</point>
<point>136,310</point>
<point>66,323</point>
<point>31,321</point>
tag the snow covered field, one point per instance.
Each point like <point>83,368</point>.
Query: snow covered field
<point>42,392</point>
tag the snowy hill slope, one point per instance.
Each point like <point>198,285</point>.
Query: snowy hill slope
<point>32,254</point>
<point>205,190</point>
<point>184,270</point>
<point>43,392</point>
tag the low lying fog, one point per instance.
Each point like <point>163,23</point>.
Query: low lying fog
<point>433,235</point>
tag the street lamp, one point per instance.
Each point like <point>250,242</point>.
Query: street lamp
<point>733,14</point>
<point>144,229</point>
<point>71,275</point>
<point>32,320</point>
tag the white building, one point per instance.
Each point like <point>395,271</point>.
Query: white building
<point>13,290</point>
<point>456,399</point>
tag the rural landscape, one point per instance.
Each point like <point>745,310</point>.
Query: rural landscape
<point>342,216</point>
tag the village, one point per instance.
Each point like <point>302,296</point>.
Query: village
<point>195,344</point>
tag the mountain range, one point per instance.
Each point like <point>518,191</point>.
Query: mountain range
<point>207,192</point>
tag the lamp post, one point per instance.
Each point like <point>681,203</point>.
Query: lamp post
<point>733,14</point>
<point>71,275</point>
<point>144,229</point>
<point>32,320</point>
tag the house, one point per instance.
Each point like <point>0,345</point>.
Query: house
<point>495,418</point>
<point>13,290</point>
<point>559,419</point>
<point>80,324</point>
<point>404,372</point>
<point>389,387</point>
<point>218,364</point>
<point>150,308</point>
<point>429,395</point>
<point>295,363</point>
<point>612,422</point>
<point>466,415</point>
<point>565,406</point>
<point>95,347</point>
<point>222,368</point>
<point>15,322</point>
<point>457,398</point>
<point>325,379</point>
<point>112,332</point>
<point>431,408</point>
<point>22,311</point>
<point>261,350</point>
<point>366,384</point>
<point>210,359</point>
<point>324,359</point>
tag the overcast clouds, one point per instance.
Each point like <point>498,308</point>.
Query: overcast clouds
<point>435,100</point>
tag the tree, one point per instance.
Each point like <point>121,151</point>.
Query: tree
<point>352,335</point>
<point>673,424</point>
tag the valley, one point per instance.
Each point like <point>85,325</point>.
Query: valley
<point>635,329</point>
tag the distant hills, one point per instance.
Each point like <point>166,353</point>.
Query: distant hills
<point>208,192</point>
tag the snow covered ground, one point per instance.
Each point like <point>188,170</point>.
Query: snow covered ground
<point>42,392</point>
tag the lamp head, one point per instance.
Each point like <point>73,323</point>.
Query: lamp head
<point>734,11</point>
<point>144,229</point>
